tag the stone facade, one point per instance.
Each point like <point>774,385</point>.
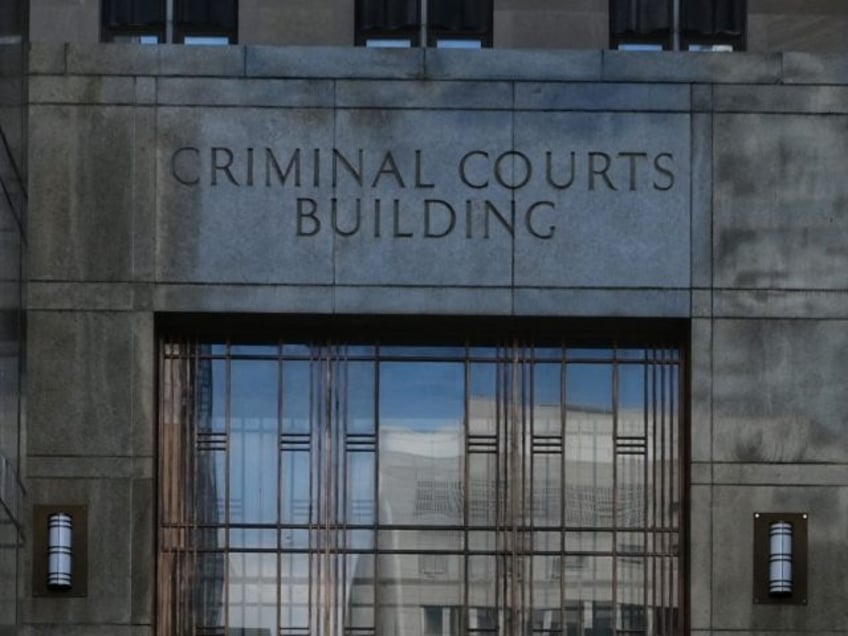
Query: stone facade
<point>703,189</point>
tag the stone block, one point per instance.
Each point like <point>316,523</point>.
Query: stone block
<point>307,299</point>
<point>413,218</point>
<point>702,200</point>
<point>732,588</point>
<point>49,295</point>
<point>77,365</point>
<point>52,89</point>
<point>201,61</point>
<point>624,303</point>
<point>782,99</point>
<point>79,207</point>
<point>143,551</point>
<point>239,223</point>
<point>779,201</point>
<point>505,64</point>
<point>607,203</point>
<point>112,59</point>
<point>337,62</point>
<point>778,391</point>
<point>142,375</point>
<point>781,303</point>
<point>700,555</point>
<point>601,97</point>
<point>421,94</point>
<point>701,423</point>
<point>143,242</point>
<point>494,301</point>
<point>245,92</point>
<point>656,66</point>
<point>46,58</point>
<point>702,97</point>
<point>812,68</point>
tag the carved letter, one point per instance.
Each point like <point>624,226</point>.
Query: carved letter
<point>419,183</point>
<point>632,157</point>
<point>175,158</point>
<point>489,208</point>
<point>549,172</point>
<point>250,166</point>
<point>428,233</point>
<point>528,219</point>
<point>388,167</point>
<point>602,171</point>
<point>294,163</point>
<point>516,183</point>
<point>355,172</point>
<point>666,171</point>
<point>225,167</point>
<point>396,214</point>
<point>462,174</point>
<point>334,214</point>
<point>311,215</point>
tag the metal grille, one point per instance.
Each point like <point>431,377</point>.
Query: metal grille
<point>329,489</point>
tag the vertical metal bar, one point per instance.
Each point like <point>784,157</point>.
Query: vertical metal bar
<point>466,490</point>
<point>169,21</point>
<point>376,518</point>
<point>615,486</point>
<point>278,592</point>
<point>227,463</point>
<point>563,417</point>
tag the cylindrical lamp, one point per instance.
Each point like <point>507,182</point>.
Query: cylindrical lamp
<point>59,527</point>
<point>780,558</point>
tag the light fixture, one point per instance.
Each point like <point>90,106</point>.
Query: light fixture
<point>59,550</point>
<point>780,558</point>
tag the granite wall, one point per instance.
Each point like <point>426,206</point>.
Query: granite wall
<point>349,181</point>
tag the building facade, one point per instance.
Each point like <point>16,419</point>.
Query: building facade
<point>346,340</point>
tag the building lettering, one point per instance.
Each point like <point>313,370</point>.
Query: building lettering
<point>379,179</point>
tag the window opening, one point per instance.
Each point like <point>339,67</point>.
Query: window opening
<point>339,489</point>
<point>688,25</point>
<point>204,22</point>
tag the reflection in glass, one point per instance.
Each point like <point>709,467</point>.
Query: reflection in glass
<point>422,491</point>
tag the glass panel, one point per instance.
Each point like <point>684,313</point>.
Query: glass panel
<point>388,43</point>
<point>252,592</point>
<point>459,44</point>
<point>404,591</point>
<point>253,441</point>
<point>294,590</point>
<point>206,40</point>
<point>421,446</point>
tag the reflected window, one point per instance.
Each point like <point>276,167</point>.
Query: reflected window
<point>330,489</point>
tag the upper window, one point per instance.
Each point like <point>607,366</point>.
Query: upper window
<point>687,25</point>
<point>438,23</point>
<point>179,21</point>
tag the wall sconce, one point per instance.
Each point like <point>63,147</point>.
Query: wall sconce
<point>780,558</point>
<point>59,554</point>
<point>60,551</point>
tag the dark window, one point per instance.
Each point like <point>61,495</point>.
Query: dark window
<point>147,21</point>
<point>465,23</point>
<point>712,25</point>
<point>395,20</point>
<point>717,23</point>
<point>641,22</point>
<point>205,19</point>
<point>133,20</point>
<point>459,20</point>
